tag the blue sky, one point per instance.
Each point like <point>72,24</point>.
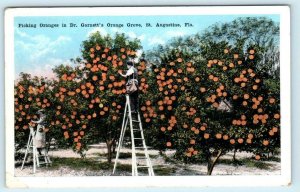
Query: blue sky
<point>38,50</point>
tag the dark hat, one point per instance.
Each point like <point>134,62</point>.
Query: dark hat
<point>130,63</point>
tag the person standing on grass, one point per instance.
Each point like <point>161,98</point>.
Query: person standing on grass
<point>132,77</point>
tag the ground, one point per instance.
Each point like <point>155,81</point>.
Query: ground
<point>68,163</point>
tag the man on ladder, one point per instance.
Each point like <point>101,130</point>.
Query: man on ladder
<point>137,134</point>
<point>132,86</point>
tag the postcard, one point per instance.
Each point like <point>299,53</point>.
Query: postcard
<point>183,96</point>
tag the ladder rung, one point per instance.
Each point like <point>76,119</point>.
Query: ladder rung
<point>140,147</point>
<point>141,157</point>
<point>136,121</point>
<point>143,166</point>
<point>44,163</point>
<point>139,138</point>
<point>40,156</point>
<point>136,129</point>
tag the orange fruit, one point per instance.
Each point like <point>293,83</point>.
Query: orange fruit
<point>266,142</point>
<point>240,140</point>
<point>271,100</point>
<point>225,137</point>
<point>206,135</point>
<point>251,57</point>
<point>276,116</point>
<point>246,96</point>
<point>169,144</point>
<point>197,120</point>
<point>215,79</point>
<point>202,128</point>
<point>257,157</point>
<point>202,89</point>
<point>189,154</point>
<point>275,129</point>
<point>218,135</point>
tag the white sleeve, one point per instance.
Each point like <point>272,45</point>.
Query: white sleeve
<point>129,71</point>
<point>41,119</point>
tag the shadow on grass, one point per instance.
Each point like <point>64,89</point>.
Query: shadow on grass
<point>124,155</point>
<point>246,162</point>
<point>87,164</point>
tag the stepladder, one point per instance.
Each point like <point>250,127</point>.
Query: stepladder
<point>39,155</point>
<point>141,162</point>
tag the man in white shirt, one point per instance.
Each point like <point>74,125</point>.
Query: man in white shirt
<point>132,77</point>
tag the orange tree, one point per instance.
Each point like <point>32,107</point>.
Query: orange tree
<point>30,95</point>
<point>85,103</point>
<point>215,103</point>
<point>99,91</point>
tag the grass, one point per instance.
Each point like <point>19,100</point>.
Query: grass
<point>87,164</point>
<point>246,162</point>
<point>92,165</point>
<point>79,163</point>
<point>164,171</point>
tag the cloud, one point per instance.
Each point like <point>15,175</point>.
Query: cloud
<point>36,54</point>
<point>116,30</point>
<point>133,35</point>
<point>101,30</point>
<point>45,70</point>
<point>37,46</point>
<point>155,40</point>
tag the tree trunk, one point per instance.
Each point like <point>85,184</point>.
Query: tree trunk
<point>234,153</point>
<point>160,152</point>
<point>114,146</point>
<point>109,144</point>
<point>212,162</point>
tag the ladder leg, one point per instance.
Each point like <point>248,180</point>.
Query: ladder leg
<point>148,161</point>
<point>124,125</point>
<point>37,157</point>
<point>34,159</point>
<point>29,142</point>
<point>45,156</point>
<point>134,166</point>
<point>123,133</point>
<point>48,158</point>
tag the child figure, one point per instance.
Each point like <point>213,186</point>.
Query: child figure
<point>39,140</point>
